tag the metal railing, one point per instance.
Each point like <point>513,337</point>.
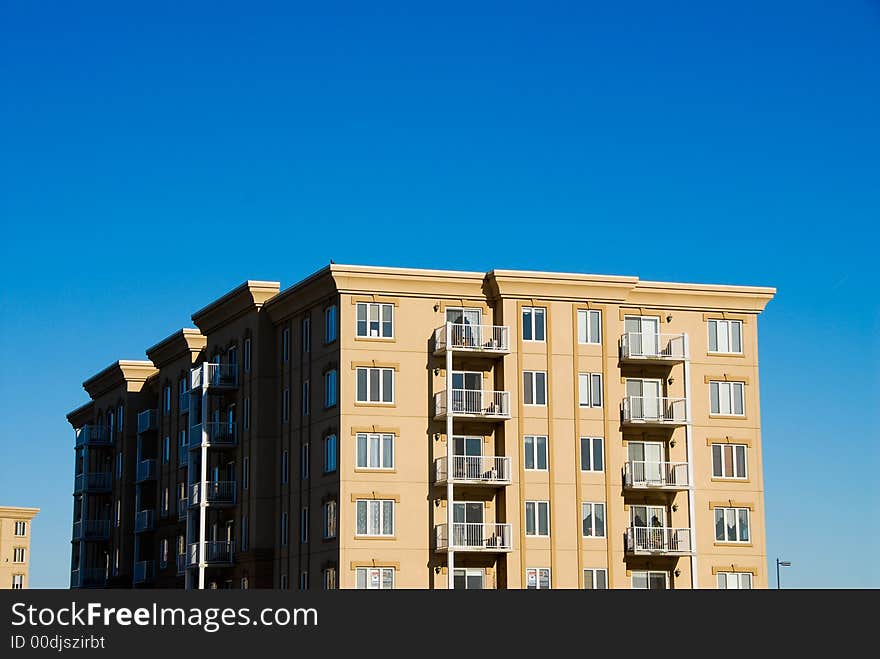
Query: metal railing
<point>144,571</point>
<point>474,469</point>
<point>217,493</point>
<point>91,529</point>
<point>475,536</point>
<point>92,435</point>
<point>144,520</point>
<point>215,552</point>
<point>657,410</point>
<point>146,470</point>
<point>647,473</point>
<point>183,402</point>
<point>640,345</point>
<point>93,481</point>
<point>472,338</point>
<point>473,403</point>
<point>87,577</point>
<point>658,540</point>
<point>218,433</point>
<point>148,420</point>
<point>215,376</point>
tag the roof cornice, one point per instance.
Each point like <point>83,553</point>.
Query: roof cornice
<point>125,372</point>
<point>81,415</point>
<point>184,342</point>
<point>249,296</point>
<point>16,512</point>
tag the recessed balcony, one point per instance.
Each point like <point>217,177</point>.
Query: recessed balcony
<point>473,404</point>
<point>487,470</point>
<point>654,411</point>
<point>144,521</point>
<point>93,435</point>
<point>146,471</point>
<point>217,434</point>
<point>144,572</point>
<point>93,482</point>
<point>216,553</point>
<point>474,537</point>
<point>88,577</point>
<point>660,540</point>
<point>641,347</point>
<point>217,377</point>
<point>488,340</point>
<point>148,420</point>
<point>91,530</point>
<point>218,494</point>
<point>647,475</point>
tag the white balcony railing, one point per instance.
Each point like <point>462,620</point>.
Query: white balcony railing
<point>217,433</point>
<point>658,540</point>
<point>655,410</point>
<point>92,435</point>
<point>661,347</point>
<point>646,473</point>
<point>148,420</point>
<point>144,571</point>
<point>215,376</point>
<point>144,520</point>
<point>475,404</point>
<point>215,552</point>
<point>217,493</point>
<point>472,338</point>
<point>93,481</point>
<point>91,529</point>
<point>475,536</point>
<point>474,469</point>
<point>146,470</point>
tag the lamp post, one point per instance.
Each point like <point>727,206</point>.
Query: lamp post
<point>780,564</point>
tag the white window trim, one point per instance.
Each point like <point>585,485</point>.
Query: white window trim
<point>381,306</point>
<point>736,510</point>
<point>594,384</point>
<point>381,369</point>
<point>593,574</point>
<point>381,438</point>
<point>591,441</point>
<point>538,571</point>
<point>380,502</point>
<point>522,319</point>
<point>533,375</point>
<point>648,574</point>
<point>729,324</point>
<point>739,579</point>
<point>535,439</point>
<point>587,326</point>
<point>382,572</point>
<point>538,504</point>
<point>593,505</point>
<point>721,476</point>
<point>729,386</point>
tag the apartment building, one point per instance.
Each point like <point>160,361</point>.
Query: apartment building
<point>15,546</point>
<point>403,428</point>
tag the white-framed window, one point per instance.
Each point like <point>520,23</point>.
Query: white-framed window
<point>329,530</point>
<point>533,323</point>
<point>535,447</point>
<point>375,320</point>
<point>593,516</point>
<point>283,582</point>
<point>375,385</point>
<point>330,387</point>
<point>590,389</point>
<point>375,517</point>
<point>304,525</point>
<point>330,454</point>
<point>166,450</point>
<point>304,580</point>
<point>285,405</point>
<point>729,461</point>
<point>285,466</point>
<point>329,578</point>
<point>284,528</point>
<point>534,387</point>
<point>246,415</point>
<point>163,553</point>
<point>20,528</point>
<point>304,458</point>
<point>592,454</point>
<point>307,334</point>
<point>306,396</point>
<point>649,580</point>
<point>468,578</point>
<point>375,451</point>
<point>727,398</point>
<point>245,472</point>
<point>285,345</point>
<point>18,554</point>
<point>595,578</point>
<point>17,582</point>
<point>330,324</point>
<point>589,326</point>
<point>537,578</point>
<point>734,581</point>
<point>732,525</point>
<point>538,518</point>
<point>725,336</point>
<point>244,533</point>
<point>375,578</point>
<point>247,355</point>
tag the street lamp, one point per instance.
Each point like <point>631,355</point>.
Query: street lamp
<point>780,564</point>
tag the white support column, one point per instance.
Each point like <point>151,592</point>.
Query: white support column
<point>450,568</point>
<point>689,442</point>
<point>203,476</point>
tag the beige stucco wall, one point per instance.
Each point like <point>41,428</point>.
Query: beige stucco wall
<point>9,542</point>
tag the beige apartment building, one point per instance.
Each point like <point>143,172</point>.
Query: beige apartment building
<point>402,428</point>
<point>15,546</point>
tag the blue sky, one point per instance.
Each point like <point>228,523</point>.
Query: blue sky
<point>707,142</point>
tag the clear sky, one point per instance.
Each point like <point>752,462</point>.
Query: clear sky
<point>153,157</point>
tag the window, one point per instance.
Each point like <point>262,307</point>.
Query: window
<point>163,553</point>
<point>166,450</point>
<point>111,427</point>
<point>375,517</point>
<point>283,582</point>
<point>285,405</point>
<point>590,389</point>
<point>734,581</point>
<point>729,461</point>
<point>468,579</point>
<point>375,385</point>
<point>330,519</point>
<point>20,529</point>
<point>593,515</point>
<point>247,413</point>
<point>306,396</point>
<point>538,578</point>
<point>329,454</point>
<point>592,458</point>
<point>725,336</point>
<point>244,583</point>
<point>649,580</point>
<point>330,324</point>
<point>726,398</point>
<point>375,451</point>
<point>533,323</point>
<point>538,518</point>
<point>247,355</point>
<point>306,334</point>
<point>304,461</point>
<point>595,579</point>
<point>329,578</point>
<point>245,472</point>
<point>589,324</point>
<point>166,502</point>
<point>116,561</point>
<point>119,465</point>
<point>732,525</point>
<point>330,379</point>
<point>118,512</point>
<point>304,525</point>
<point>284,527</point>
<point>166,398</point>
<point>375,320</point>
<point>244,533</point>
<point>17,582</point>
<point>285,345</point>
<point>285,465</point>
<point>18,555</point>
<point>535,452</point>
<point>304,580</point>
<point>534,387</point>
<point>119,418</point>
<point>375,578</point>
<point>181,440</point>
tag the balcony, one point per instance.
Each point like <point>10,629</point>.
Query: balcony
<point>146,471</point>
<point>489,340</point>
<point>218,434</point>
<point>644,347</point>
<point>144,572</point>
<point>181,564</point>
<point>474,536</point>
<point>660,540</point>
<point>92,435</point>
<point>91,530</point>
<point>486,470</point>
<point>93,482</point>
<point>216,553</point>
<point>472,404</point>
<point>218,494</point>
<point>217,377</point>
<point>148,420</point>
<point>144,521</point>
<point>640,474</point>
<point>654,411</point>
<point>182,505</point>
<point>88,577</point>
<point>183,402</point>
